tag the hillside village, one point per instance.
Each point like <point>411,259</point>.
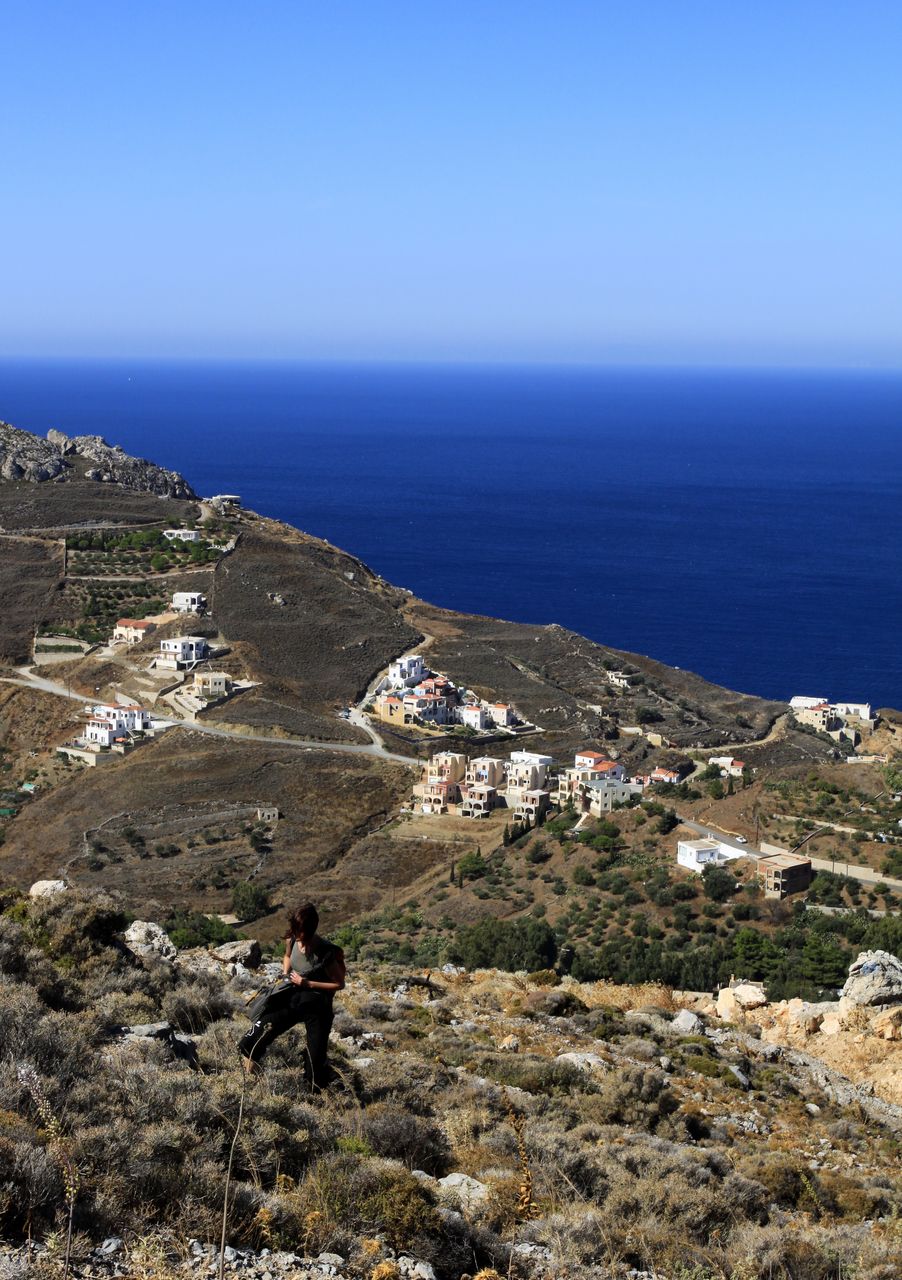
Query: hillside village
<point>501,824</point>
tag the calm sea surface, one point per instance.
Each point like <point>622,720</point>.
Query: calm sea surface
<point>747,526</point>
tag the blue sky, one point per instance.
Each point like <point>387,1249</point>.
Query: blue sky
<point>657,182</point>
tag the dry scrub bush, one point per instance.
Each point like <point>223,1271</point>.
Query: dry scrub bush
<point>193,1006</point>
<point>635,1096</point>
<point>344,1196</point>
<point>393,1131</point>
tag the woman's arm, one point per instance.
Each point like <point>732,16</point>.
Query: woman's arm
<point>333,981</point>
<point>286,959</point>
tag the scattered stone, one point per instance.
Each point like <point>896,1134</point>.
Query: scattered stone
<point>144,938</point>
<point>888,1024</point>
<point>740,1075</point>
<point>469,1191</point>
<point>111,1246</point>
<point>415,1268</point>
<point>331,1259</point>
<point>584,1061</point>
<point>812,1108</point>
<point>687,1023</point>
<point>47,888</point>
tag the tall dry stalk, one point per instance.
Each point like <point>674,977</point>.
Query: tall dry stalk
<point>59,1144</point>
<point>245,1076</point>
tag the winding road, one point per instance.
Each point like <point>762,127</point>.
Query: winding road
<point>27,680</point>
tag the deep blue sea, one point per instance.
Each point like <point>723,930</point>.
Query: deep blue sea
<point>745,525</point>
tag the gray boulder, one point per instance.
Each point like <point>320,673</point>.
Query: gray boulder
<point>874,978</point>
<point>245,951</point>
<point>688,1023</point>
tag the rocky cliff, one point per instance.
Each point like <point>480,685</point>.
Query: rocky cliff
<point>24,456</point>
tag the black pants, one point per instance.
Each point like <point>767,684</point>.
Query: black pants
<point>317,1017</point>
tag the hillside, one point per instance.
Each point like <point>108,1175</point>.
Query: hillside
<point>488,1122</point>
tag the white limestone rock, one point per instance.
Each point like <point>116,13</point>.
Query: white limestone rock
<point>584,1061</point>
<point>469,1191</point>
<point>688,1023</point>
<point>246,951</point>
<point>47,888</point>
<point>874,978</point>
<point>144,938</point>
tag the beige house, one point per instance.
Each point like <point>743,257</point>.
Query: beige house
<point>211,684</point>
<point>435,796</point>
<point>531,805</point>
<point>445,766</point>
<point>477,800</point>
<point>390,708</point>
<point>132,630</point>
<point>486,769</point>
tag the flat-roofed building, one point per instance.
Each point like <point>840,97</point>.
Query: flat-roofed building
<point>783,874</point>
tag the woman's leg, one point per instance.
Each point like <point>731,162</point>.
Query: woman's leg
<point>319,1024</point>
<point>257,1039</point>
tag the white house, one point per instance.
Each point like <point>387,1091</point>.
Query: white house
<point>620,679</point>
<point>430,708</point>
<point>108,723</point>
<point>188,602</point>
<point>473,715</point>
<point>799,703</point>
<point>101,733</point>
<point>526,773</point>
<point>181,651</point>
<point>729,766</point>
<point>182,535</point>
<point>695,855</point>
<point>406,671</point>
<point>600,795</point>
<point>856,710</point>
<point>531,757</point>
<point>500,714</point>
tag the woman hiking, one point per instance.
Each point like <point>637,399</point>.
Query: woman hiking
<point>315,968</point>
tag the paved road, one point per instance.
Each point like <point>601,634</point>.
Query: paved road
<point>29,681</point>
<point>867,875</point>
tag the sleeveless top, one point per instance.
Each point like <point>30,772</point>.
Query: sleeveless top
<point>303,964</point>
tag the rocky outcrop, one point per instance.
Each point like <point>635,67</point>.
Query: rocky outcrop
<point>28,457</point>
<point>115,466</point>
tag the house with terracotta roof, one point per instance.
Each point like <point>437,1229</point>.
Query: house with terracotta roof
<point>132,630</point>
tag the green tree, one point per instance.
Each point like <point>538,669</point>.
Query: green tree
<point>249,900</point>
<point>718,884</point>
<point>501,944</point>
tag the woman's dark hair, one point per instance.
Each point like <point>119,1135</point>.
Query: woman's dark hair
<point>303,920</point>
